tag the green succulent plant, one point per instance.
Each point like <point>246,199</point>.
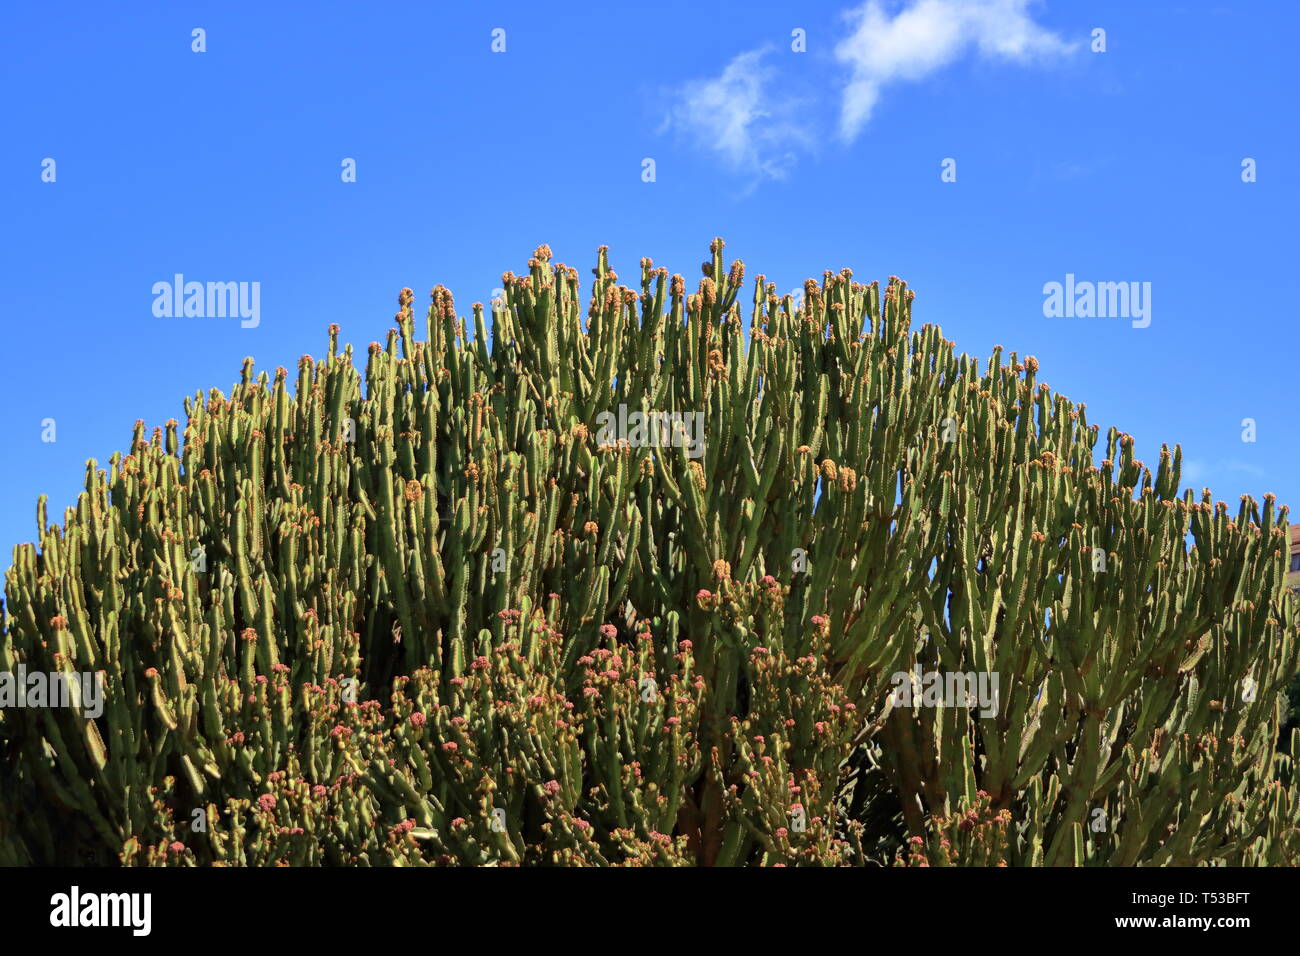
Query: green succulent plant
<point>429,614</point>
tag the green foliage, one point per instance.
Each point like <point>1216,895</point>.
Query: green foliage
<point>428,616</point>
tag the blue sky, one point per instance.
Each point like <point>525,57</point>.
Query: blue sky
<point>225,165</point>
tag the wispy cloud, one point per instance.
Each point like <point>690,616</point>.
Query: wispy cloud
<point>1242,467</point>
<point>738,117</point>
<point>925,36</point>
<point>748,118</point>
<point>1195,472</point>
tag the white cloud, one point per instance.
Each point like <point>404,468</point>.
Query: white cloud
<point>1242,467</point>
<point>737,117</point>
<point>1196,472</point>
<point>927,35</point>
<point>757,128</point>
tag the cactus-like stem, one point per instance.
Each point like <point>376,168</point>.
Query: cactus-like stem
<point>635,585</point>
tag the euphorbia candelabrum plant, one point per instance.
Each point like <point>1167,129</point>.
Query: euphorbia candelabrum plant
<point>436,614</point>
